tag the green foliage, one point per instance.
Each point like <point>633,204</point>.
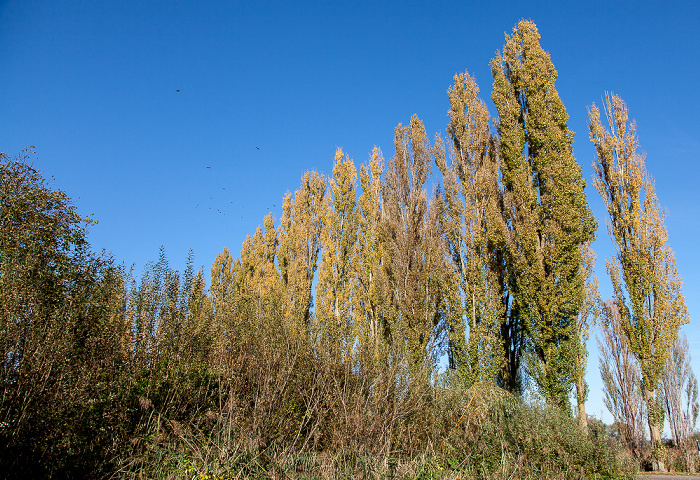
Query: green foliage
<point>546,208</point>
<point>545,442</point>
<point>60,332</point>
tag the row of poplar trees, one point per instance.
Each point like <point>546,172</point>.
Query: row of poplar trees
<point>495,268</point>
<point>494,265</point>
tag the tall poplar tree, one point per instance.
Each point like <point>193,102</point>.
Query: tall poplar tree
<point>471,221</point>
<point>643,272</point>
<point>414,251</point>
<point>547,211</point>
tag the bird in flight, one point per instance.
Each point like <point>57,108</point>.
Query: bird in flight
<point>258,148</point>
<point>208,167</point>
<point>178,91</point>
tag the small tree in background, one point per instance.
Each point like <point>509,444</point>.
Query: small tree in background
<point>622,379</point>
<point>680,393</point>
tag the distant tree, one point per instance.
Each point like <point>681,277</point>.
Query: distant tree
<point>156,309</point>
<point>246,293</point>
<point>680,393</point>
<point>645,280</point>
<point>261,285</point>
<point>472,222</point>
<point>299,246</point>
<point>547,211</point>
<point>228,301</point>
<point>199,332</point>
<point>622,379</point>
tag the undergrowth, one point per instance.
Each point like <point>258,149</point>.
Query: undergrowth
<point>106,377</point>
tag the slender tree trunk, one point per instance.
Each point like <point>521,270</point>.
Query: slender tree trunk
<point>654,430</point>
<point>580,400</point>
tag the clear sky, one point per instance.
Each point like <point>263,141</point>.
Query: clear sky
<point>268,90</point>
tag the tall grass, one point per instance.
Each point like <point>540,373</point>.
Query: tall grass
<point>282,411</point>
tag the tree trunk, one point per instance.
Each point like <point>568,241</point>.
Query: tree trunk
<point>654,430</point>
<point>581,401</point>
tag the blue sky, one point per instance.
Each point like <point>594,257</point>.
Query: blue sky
<point>269,90</point>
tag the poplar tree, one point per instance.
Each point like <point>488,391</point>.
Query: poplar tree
<point>547,211</point>
<point>150,313</point>
<point>227,295</point>
<point>336,279</point>
<point>471,221</point>
<point>646,284</point>
<point>414,254</point>
<point>246,293</point>
<point>299,245</point>
<point>262,278</point>
<point>200,334</point>
<point>369,311</point>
